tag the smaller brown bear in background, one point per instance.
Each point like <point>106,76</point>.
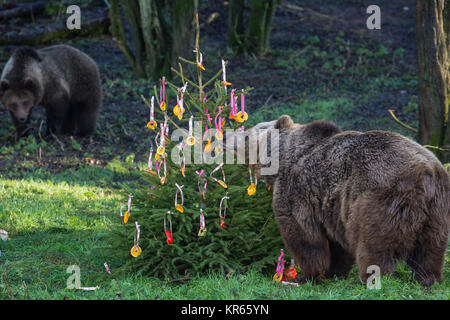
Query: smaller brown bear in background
<point>62,79</point>
<point>374,197</point>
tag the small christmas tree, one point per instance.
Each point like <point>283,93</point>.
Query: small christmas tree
<point>190,218</point>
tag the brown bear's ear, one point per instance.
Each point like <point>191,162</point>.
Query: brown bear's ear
<point>284,122</point>
<point>28,83</point>
<point>4,85</point>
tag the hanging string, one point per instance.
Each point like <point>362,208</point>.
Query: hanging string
<point>202,230</point>
<point>161,148</point>
<point>136,250</point>
<point>224,75</point>
<point>233,107</point>
<point>219,134</point>
<point>251,190</point>
<point>121,208</point>
<point>162,179</point>
<point>222,217</point>
<point>221,182</point>
<point>280,267</point>
<point>178,206</point>
<point>183,162</point>
<point>168,233</point>
<point>130,196</point>
<point>200,175</point>
<point>107,268</point>
<point>199,59</point>
<point>152,123</point>
<point>150,162</point>
<point>162,94</point>
<point>190,140</point>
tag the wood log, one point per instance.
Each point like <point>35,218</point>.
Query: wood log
<point>22,9</point>
<point>93,27</point>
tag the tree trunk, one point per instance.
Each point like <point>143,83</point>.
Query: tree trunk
<point>260,25</point>
<point>161,29</point>
<point>236,25</point>
<point>183,17</point>
<point>432,24</point>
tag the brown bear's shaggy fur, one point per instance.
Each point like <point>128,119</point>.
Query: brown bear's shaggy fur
<point>374,197</point>
<point>62,79</point>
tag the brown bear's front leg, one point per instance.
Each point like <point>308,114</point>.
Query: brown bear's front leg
<point>57,111</point>
<point>309,249</point>
<point>341,261</point>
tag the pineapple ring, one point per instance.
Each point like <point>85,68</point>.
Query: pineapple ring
<point>219,135</point>
<point>160,150</point>
<point>190,141</point>
<point>152,124</point>
<point>241,118</point>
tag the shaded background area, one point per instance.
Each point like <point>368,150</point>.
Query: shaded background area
<point>323,64</point>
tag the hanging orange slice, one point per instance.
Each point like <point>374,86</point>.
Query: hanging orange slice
<point>136,251</point>
<point>182,172</point>
<point>219,135</point>
<point>176,109</point>
<point>201,66</point>
<point>251,190</point>
<point>162,180</point>
<point>277,278</point>
<point>163,106</point>
<point>291,274</point>
<point>126,217</point>
<point>223,184</point>
<point>208,146</point>
<point>179,207</point>
<point>226,83</point>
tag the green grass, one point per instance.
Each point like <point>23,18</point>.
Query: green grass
<point>58,220</point>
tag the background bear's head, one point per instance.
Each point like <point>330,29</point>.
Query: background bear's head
<point>20,84</point>
<point>19,98</point>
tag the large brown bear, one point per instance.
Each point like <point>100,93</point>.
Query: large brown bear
<point>60,78</point>
<point>374,197</point>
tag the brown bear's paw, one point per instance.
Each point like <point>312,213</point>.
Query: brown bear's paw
<point>302,280</point>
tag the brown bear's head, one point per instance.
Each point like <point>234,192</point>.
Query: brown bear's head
<point>18,97</point>
<point>259,146</point>
<point>270,145</point>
